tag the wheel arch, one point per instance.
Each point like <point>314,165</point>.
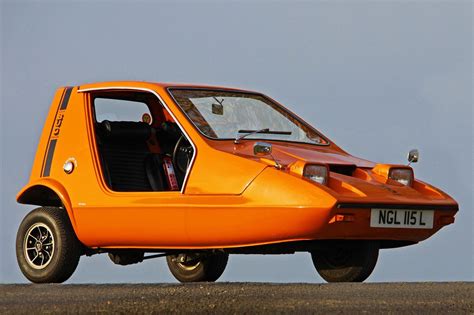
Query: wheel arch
<point>47,192</point>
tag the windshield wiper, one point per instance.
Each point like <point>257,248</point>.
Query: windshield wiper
<point>264,130</point>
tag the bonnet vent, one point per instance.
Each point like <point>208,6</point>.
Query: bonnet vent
<point>344,169</point>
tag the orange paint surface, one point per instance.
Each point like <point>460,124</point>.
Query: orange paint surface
<point>231,198</point>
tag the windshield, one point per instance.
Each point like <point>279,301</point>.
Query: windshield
<point>230,115</point>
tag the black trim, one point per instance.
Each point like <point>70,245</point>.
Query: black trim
<point>51,132</point>
<point>49,157</point>
<point>66,98</point>
<point>396,206</point>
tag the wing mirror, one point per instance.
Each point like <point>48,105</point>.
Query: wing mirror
<point>262,149</point>
<point>413,156</point>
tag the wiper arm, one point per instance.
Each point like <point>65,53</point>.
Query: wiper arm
<point>249,133</point>
<point>264,130</point>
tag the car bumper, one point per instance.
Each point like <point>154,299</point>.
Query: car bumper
<point>351,221</point>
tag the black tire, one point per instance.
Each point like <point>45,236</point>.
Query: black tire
<point>200,268</point>
<point>59,242</point>
<point>346,263</point>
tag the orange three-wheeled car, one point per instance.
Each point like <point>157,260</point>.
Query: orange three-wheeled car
<point>195,173</point>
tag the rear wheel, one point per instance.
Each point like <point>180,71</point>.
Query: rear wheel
<point>47,249</point>
<point>346,263</point>
<point>197,267</point>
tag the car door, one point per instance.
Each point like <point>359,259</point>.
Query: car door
<point>119,206</point>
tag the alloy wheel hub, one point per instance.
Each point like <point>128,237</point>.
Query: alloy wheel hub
<point>39,246</point>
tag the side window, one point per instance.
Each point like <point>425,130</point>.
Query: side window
<point>138,151</point>
<point>121,110</point>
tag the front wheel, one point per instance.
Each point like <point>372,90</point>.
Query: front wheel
<point>47,248</point>
<point>346,263</point>
<point>197,267</point>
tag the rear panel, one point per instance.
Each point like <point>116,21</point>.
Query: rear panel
<point>49,137</point>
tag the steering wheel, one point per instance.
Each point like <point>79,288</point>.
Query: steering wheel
<point>182,154</point>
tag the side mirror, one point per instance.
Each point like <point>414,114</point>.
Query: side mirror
<point>262,149</point>
<point>413,156</point>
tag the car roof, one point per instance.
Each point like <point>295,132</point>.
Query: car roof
<point>145,84</point>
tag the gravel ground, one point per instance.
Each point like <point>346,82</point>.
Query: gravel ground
<point>240,298</point>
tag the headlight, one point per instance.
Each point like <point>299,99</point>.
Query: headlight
<point>316,173</point>
<point>402,175</point>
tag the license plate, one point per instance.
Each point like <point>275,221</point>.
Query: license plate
<point>402,219</point>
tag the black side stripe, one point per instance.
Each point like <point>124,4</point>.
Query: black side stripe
<point>50,133</point>
<point>49,157</point>
<point>66,98</point>
<point>46,170</point>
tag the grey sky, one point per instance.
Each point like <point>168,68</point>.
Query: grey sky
<point>378,78</point>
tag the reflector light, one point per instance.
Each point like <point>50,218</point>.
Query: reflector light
<point>342,218</point>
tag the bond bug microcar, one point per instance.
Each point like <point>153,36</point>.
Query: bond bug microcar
<point>194,173</point>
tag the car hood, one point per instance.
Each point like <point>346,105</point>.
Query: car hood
<point>287,153</point>
<point>344,187</point>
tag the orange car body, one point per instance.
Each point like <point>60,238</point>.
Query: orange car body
<point>230,198</point>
